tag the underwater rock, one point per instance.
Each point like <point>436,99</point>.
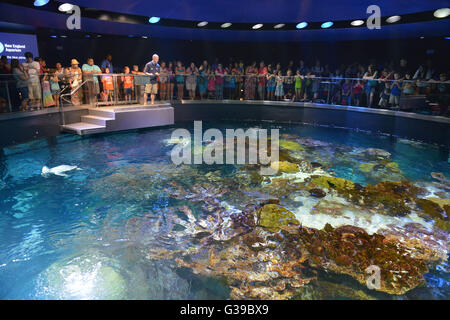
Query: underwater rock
<point>441,202</point>
<point>377,153</point>
<point>430,209</point>
<point>441,178</point>
<point>290,145</point>
<point>273,216</point>
<point>350,250</point>
<point>393,166</point>
<point>367,167</point>
<point>317,193</point>
<point>331,208</point>
<point>339,184</point>
<point>313,143</point>
<point>285,167</point>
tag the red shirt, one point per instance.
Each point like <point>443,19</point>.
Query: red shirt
<point>127,82</point>
<point>262,80</point>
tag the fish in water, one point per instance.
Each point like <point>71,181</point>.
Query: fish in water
<point>58,171</point>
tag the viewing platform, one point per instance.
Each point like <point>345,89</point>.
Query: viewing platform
<point>118,118</point>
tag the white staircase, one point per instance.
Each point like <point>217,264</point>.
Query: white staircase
<point>95,122</point>
<point>111,119</point>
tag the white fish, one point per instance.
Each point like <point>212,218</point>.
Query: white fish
<point>58,171</point>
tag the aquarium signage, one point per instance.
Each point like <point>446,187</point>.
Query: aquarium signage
<point>14,45</point>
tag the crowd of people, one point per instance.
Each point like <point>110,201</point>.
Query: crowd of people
<point>375,86</point>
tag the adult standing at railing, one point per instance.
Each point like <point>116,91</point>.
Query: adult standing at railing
<point>107,63</point>
<point>191,80</point>
<point>33,69</point>
<point>92,88</point>
<point>203,79</point>
<point>250,81</point>
<point>262,80</point>
<point>153,70</point>
<point>21,76</point>
<point>75,79</point>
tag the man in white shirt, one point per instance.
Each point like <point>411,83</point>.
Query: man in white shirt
<point>34,83</point>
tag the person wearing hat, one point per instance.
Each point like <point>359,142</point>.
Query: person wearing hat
<point>75,77</point>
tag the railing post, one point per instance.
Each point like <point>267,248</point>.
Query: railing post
<point>8,97</point>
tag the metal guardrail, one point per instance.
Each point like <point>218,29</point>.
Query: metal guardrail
<point>430,97</point>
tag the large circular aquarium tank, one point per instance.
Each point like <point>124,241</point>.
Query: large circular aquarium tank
<point>349,215</point>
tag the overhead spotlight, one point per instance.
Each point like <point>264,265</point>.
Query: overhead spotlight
<point>357,23</point>
<point>279,26</point>
<point>154,19</point>
<point>422,37</point>
<point>63,36</point>
<point>226,25</point>
<point>202,24</point>
<point>144,37</point>
<point>40,3</point>
<point>99,36</point>
<point>442,13</point>
<point>65,7</point>
<point>393,19</point>
<point>257,26</point>
<point>302,25</point>
<point>327,25</point>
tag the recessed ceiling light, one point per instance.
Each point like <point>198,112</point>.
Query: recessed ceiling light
<point>302,25</point>
<point>202,24</point>
<point>225,25</point>
<point>447,38</point>
<point>63,36</point>
<point>257,26</point>
<point>393,19</point>
<point>327,25</point>
<point>279,26</point>
<point>54,37</point>
<point>65,7</point>
<point>442,13</point>
<point>144,37</point>
<point>40,3</point>
<point>99,36</point>
<point>154,19</point>
<point>422,37</point>
<point>357,23</point>
<point>88,36</point>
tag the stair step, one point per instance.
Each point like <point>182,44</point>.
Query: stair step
<point>101,121</point>
<point>82,128</point>
<point>102,113</point>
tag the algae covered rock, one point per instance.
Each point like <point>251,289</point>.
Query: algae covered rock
<point>290,145</point>
<point>286,167</point>
<point>336,183</point>
<point>367,167</point>
<point>273,216</point>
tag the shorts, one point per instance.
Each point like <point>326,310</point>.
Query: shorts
<point>34,91</point>
<point>23,92</point>
<point>270,89</point>
<point>151,88</point>
<point>128,91</point>
<point>191,86</point>
<point>394,100</point>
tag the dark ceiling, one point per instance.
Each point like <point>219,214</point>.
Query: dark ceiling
<point>248,11</point>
